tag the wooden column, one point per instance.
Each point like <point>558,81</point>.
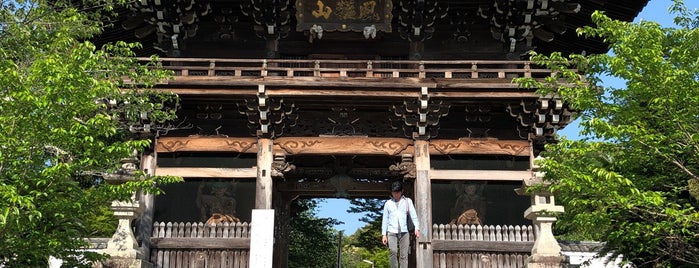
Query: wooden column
<point>272,48</point>
<point>263,187</point>
<point>416,50</point>
<point>145,222</point>
<point>423,204</point>
<point>282,229</point>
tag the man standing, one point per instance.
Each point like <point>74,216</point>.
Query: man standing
<point>394,225</point>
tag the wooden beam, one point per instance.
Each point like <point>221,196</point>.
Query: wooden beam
<point>343,145</point>
<point>480,146</point>
<point>206,144</point>
<point>192,172</point>
<point>200,243</point>
<point>489,175</point>
<point>330,187</point>
<point>480,246</point>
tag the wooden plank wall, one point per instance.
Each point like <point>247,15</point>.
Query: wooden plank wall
<point>196,245</point>
<point>476,246</point>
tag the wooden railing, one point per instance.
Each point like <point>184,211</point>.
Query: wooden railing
<point>200,245</point>
<point>448,69</point>
<point>475,246</point>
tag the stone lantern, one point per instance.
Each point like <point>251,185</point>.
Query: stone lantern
<point>123,247</point>
<point>543,210</point>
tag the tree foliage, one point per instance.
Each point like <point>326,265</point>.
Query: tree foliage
<point>312,241</point>
<point>633,181</point>
<point>66,119</point>
<point>368,236</point>
<point>356,249</point>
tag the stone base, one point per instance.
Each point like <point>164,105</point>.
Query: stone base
<point>123,263</point>
<point>545,261</point>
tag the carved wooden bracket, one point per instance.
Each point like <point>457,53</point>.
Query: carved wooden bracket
<point>541,118</point>
<point>417,18</point>
<point>271,115</point>
<point>272,18</point>
<point>422,116</point>
<point>343,124</point>
<point>280,166</point>
<point>516,23</point>
<point>172,22</point>
<point>405,167</point>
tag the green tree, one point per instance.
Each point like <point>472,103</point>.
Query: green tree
<point>354,252</point>
<point>632,182</point>
<point>66,120</point>
<point>368,236</point>
<point>366,242</point>
<point>312,240</point>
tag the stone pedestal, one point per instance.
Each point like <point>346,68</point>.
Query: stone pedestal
<point>122,248</point>
<point>546,253</point>
<point>124,263</point>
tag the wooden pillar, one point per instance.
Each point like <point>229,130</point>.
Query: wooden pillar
<point>416,50</point>
<point>272,48</point>
<point>145,222</point>
<point>282,229</point>
<point>423,204</point>
<point>263,187</point>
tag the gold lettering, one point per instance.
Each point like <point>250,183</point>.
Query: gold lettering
<point>323,11</point>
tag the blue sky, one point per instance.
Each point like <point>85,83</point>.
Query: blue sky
<point>656,10</point>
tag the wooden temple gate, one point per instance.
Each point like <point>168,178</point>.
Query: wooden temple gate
<point>286,98</point>
<point>284,167</point>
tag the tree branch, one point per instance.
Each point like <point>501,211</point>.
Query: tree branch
<point>671,160</point>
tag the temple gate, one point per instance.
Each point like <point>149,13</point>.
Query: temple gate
<point>284,98</point>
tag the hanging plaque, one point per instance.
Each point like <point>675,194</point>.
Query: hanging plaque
<point>344,15</point>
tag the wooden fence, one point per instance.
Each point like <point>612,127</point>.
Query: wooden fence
<point>196,245</point>
<point>477,246</point>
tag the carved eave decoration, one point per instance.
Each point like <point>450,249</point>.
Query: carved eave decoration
<point>475,146</point>
<point>417,18</point>
<point>343,122</point>
<point>268,117</point>
<point>211,143</point>
<point>272,18</point>
<point>419,119</point>
<point>517,23</point>
<point>541,119</point>
<point>343,145</point>
<point>172,21</point>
